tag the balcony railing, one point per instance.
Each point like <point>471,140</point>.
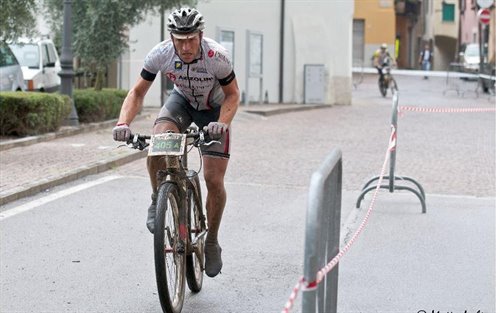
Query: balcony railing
<point>407,7</point>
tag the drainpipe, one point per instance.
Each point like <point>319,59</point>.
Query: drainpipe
<point>282,49</point>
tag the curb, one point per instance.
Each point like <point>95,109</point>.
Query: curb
<point>290,108</point>
<point>89,169</point>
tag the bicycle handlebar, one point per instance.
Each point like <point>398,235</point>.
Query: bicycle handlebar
<point>139,141</point>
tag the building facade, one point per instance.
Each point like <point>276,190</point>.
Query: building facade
<point>442,18</point>
<point>410,27</point>
<point>314,32</point>
<point>374,23</point>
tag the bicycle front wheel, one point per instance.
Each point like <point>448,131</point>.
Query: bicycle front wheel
<point>169,250</point>
<point>197,225</point>
<point>382,87</point>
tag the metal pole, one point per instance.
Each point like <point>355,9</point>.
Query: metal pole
<point>67,72</point>
<point>481,44</point>
<point>394,122</point>
<point>247,75</point>
<point>282,49</point>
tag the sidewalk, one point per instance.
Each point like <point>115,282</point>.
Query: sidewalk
<point>33,164</point>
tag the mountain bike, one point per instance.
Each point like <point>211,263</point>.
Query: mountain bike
<point>387,81</point>
<point>180,223</point>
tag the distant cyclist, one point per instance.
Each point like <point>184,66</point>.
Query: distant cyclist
<point>382,58</point>
<point>206,93</point>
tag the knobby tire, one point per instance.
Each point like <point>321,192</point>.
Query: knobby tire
<point>194,265</point>
<point>170,260</point>
<point>382,87</point>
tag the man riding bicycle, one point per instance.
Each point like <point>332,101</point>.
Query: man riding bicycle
<point>206,93</point>
<point>381,58</point>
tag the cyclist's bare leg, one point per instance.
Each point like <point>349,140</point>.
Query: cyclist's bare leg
<point>154,164</point>
<point>214,169</point>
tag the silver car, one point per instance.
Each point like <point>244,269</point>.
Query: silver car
<point>11,74</point>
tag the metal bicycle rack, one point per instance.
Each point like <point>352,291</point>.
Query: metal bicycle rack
<point>419,191</point>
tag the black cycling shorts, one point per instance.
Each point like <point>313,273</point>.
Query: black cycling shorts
<point>178,111</point>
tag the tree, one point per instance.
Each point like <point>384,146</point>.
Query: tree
<point>100,27</point>
<point>17,19</point>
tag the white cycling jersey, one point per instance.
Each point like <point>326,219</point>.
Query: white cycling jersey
<point>199,81</point>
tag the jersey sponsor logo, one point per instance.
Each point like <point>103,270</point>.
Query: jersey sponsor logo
<point>211,53</point>
<point>196,79</point>
<point>200,70</point>
<point>178,65</point>
<point>222,57</point>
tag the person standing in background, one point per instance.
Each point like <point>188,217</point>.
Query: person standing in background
<point>425,59</point>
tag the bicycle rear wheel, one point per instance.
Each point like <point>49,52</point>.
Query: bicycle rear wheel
<point>169,250</point>
<point>197,225</point>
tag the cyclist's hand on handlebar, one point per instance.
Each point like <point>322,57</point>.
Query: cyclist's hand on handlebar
<point>121,132</point>
<point>215,130</point>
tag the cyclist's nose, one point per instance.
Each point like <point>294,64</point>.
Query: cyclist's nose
<point>186,46</point>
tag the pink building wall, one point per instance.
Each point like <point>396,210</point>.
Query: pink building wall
<point>469,23</point>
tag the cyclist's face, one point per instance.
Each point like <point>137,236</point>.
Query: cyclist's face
<point>188,48</point>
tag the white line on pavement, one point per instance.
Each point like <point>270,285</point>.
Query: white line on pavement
<point>36,203</point>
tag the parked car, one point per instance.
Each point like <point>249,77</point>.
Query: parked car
<point>11,74</point>
<point>40,64</point>
<point>470,58</point>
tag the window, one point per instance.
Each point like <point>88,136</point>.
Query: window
<point>448,12</point>
<point>52,54</point>
<point>226,39</point>
<point>45,55</point>
<point>7,58</point>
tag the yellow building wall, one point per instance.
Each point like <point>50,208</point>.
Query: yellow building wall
<point>380,20</point>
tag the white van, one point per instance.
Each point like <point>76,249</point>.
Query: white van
<point>11,74</point>
<point>40,64</point>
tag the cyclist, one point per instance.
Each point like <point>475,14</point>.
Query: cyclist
<point>206,93</point>
<point>381,58</point>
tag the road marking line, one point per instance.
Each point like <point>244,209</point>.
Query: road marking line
<point>36,203</point>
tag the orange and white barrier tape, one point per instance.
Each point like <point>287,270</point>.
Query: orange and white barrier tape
<point>445,110</point>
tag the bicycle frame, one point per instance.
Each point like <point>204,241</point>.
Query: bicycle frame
<point>176,172</point>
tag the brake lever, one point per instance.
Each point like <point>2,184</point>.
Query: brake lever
<point>211,142</point>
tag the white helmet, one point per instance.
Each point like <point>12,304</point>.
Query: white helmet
<point>383,46</point>
<point>185,21</point>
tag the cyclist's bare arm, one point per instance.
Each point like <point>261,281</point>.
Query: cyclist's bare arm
<point>231,102</point>
<point>134,100</point>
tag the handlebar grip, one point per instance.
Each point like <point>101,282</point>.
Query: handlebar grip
<point>138,141</point>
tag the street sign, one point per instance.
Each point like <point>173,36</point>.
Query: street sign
<point>484,16</point>
<point>484,3</point>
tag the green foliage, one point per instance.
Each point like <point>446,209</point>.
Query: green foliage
<point>100,26</point>
<point>95,106</point>
<point>17,19</point>
<point>32,113</point>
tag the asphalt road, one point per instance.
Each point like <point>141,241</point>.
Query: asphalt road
<point>89,250</point>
